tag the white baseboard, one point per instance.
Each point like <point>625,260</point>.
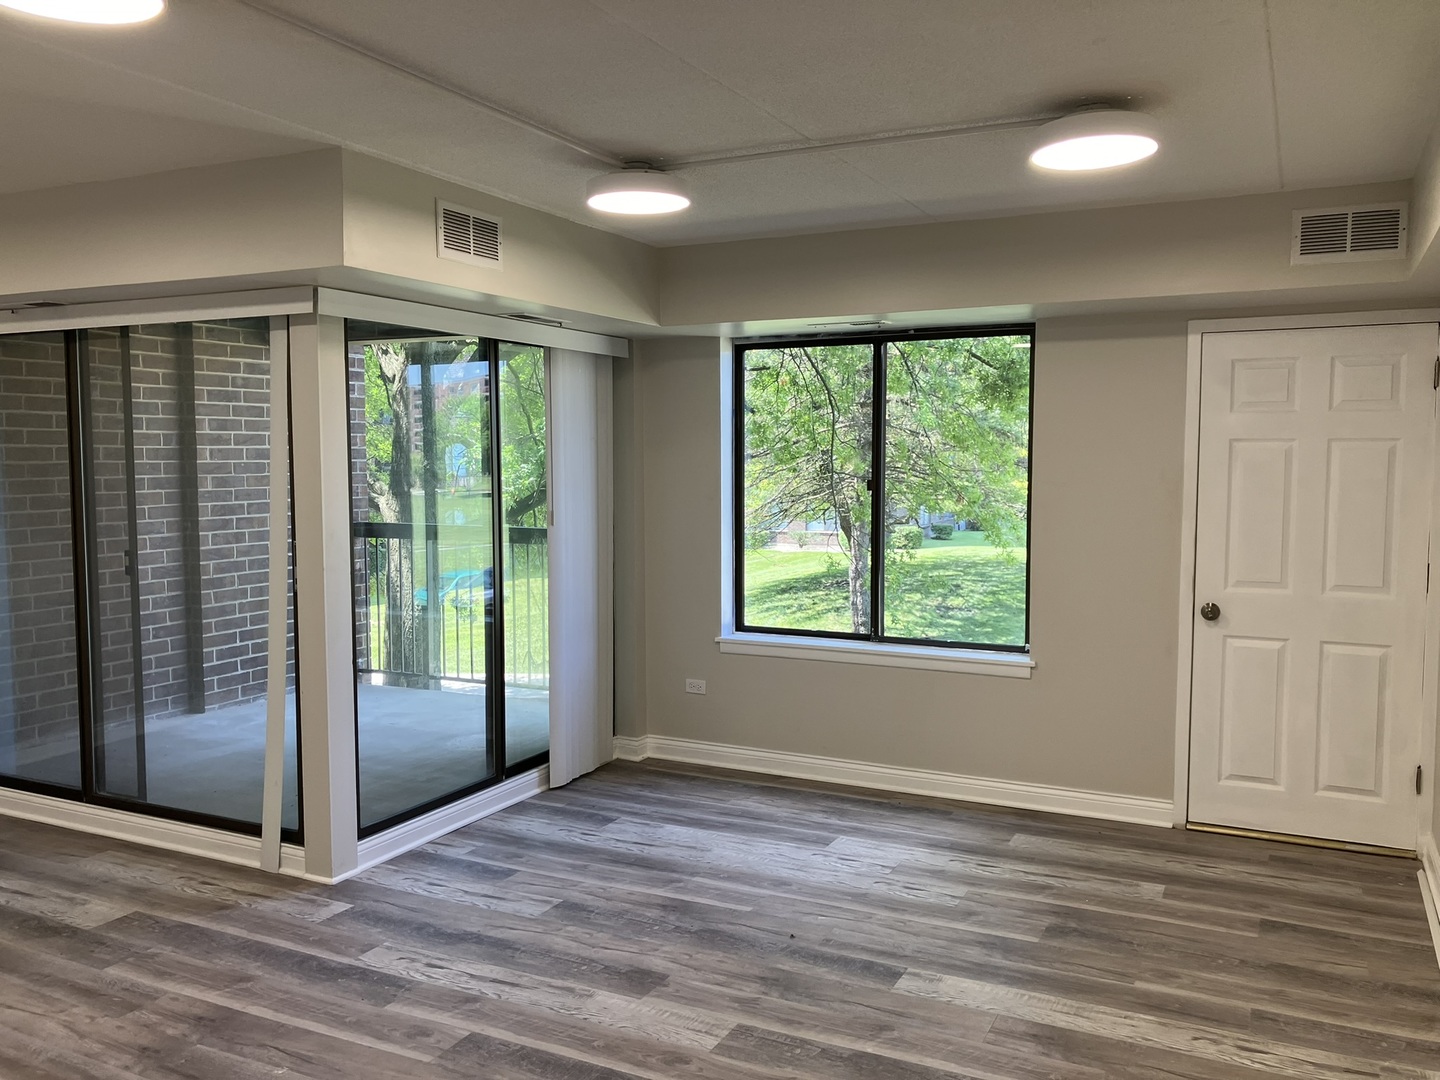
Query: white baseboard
<point>1091,804</point>
<point>1429,854</point>
<point>153,832</point>
<point>383,847</point>
<point>632,747</point>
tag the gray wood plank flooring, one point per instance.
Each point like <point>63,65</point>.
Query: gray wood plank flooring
<point>674,923</point>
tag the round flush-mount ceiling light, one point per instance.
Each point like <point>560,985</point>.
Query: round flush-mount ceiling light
<point>1095,138</point>
<point>92,12</point>
<point>637,189</point>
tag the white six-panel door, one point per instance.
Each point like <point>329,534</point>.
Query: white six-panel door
<point>1312,541</point>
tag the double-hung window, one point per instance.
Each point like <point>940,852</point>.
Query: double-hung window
<point>882,487</point>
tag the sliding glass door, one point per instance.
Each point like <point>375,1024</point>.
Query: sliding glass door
<point>155,463</point>
<point>39,663</point>
<point>443,613</point>
<point>524,529</point>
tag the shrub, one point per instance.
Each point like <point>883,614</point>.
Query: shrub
<point>906,538</point>
<point>799,537</point>
<point>942,532</point>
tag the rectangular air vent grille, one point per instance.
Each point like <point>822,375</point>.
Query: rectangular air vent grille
<point>466,236</point>
<point>1349,234</point>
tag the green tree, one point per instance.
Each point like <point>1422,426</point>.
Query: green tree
<point>392,463</point>
<point>522,434</point>
<point>388,432</point>
<point>389,481</point>
<point>464,423</point>
<point>426,412</point>
<point>956,427</point>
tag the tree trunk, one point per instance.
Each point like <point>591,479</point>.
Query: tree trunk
<point>516,512</point>
<point>857,537</point>
<point>394,502</point>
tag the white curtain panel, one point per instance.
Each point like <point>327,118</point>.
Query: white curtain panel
<point>582,724</point>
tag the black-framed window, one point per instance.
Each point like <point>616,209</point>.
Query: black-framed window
<point>882,487</point>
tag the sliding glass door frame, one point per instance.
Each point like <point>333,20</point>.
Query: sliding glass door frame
<point>307,328</point>
<point>498,771</point>
<point>85,545</point>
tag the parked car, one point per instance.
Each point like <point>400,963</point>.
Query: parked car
<point>462,588</point>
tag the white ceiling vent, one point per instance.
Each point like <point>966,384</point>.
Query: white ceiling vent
<point>1348,234</point>
<point>467,235</point>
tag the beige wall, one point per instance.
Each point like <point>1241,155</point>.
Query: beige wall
<point>1098,713</point>
<point>549,264</point>
<point>328,217</point>
<point>267,216</point>
<point>1212,252</point>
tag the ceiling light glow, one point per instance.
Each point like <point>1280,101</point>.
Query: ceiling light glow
<point>1095,139</point>
<point>638,190</point>
<point>94,12</point>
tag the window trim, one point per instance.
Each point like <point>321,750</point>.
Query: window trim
<point>1009,664</point>
<point>739,636</point>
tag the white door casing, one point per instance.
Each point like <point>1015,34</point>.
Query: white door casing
<point>1312,526</point>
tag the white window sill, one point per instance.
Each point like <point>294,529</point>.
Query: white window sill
<point>967,661</point>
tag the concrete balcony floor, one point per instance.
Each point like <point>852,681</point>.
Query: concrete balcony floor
<point>415,745</point>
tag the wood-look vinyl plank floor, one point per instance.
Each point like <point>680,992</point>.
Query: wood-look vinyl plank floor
<point>663,922</point>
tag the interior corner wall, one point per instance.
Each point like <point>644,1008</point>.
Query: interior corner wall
<point>1098,713</point>
<point>629,494</point>
<point>1425,201</point>
<point>1431,827</point>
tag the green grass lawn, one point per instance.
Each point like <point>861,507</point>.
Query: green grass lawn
<point>960,589</point>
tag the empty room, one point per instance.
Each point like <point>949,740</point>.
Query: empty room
<point>748,540</point>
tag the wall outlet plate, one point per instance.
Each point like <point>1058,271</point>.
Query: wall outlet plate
<point>694,686</point>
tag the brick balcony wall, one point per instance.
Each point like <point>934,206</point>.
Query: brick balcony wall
<point>199,650</point>
<point>39,682</point>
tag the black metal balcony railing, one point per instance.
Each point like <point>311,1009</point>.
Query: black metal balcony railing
<point>527,606</point>
<point>401,632</point>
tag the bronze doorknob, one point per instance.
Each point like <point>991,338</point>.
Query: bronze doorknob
<point>1209,612</point>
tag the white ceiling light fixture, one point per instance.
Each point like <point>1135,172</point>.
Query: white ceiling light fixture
<point>1097,137</point>
<point>637,189</point>
<point>92,12</point>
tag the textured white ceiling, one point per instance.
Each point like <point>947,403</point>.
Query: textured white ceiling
<point>1253,95</point>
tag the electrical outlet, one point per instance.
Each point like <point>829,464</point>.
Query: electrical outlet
<point>694,686</point>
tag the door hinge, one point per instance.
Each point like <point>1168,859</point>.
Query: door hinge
<point>1419,775</point>
<point>1437,373</point>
